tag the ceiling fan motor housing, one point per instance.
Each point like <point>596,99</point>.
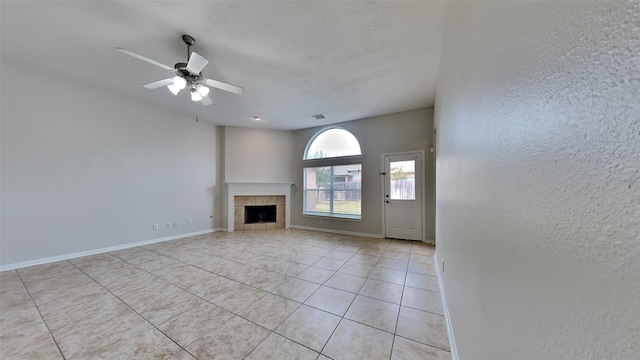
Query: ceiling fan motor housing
<point>181,70</point>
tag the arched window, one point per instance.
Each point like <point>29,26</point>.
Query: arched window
<point>333,175</point>
<point>332,142</point>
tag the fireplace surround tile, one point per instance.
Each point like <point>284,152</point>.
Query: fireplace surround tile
<point>240,201</point>
<point>258,193</point>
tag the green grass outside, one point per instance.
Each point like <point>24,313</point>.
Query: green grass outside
<point>340,207</point>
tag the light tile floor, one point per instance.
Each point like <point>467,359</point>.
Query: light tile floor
<point>286,294</point>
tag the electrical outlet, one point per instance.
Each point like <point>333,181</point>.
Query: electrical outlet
<point>168,224</point>
<point>190,222</point>
<point>155,226</point>
<point>175,224</point>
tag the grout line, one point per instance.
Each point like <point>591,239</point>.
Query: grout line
<point>237,314</point>
<point>333,332</point>
<point>244,244</point>
<point>339,322</point>
<point>40,313</point>
<point>234,313</point>
<point>132,309</point>
<point>395,329</point>
<point>420,342</point>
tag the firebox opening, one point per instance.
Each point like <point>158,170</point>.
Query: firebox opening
<point>259,214</point>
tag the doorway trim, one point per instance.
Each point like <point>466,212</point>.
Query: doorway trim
<point>423,205</point>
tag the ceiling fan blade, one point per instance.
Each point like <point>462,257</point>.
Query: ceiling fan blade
<point>224,86</point>
<point>158,84</point>
<point>196,63</point>
<point>137,56</point>
<point>206,100</point>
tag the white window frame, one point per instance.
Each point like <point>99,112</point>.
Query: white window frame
<point>329,162</point>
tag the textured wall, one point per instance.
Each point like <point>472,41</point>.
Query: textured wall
<point>538,190</point>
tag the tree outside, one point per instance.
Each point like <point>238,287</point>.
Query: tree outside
<point>399,174</point>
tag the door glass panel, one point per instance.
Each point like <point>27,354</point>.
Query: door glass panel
<point>402,180</point>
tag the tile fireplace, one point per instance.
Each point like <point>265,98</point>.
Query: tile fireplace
<point>258,212</point>
<point>247,194</point>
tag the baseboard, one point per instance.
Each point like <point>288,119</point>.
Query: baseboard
<point>377,236</point>
<point>447,318</point>
<point>98,251</point>
<point>429,241</point>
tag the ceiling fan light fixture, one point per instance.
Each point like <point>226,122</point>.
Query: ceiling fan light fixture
<point>179,82</point>
<point>187,74</point>
<point>195,95</point>
<point>203,90</point>
<point>174,89</point>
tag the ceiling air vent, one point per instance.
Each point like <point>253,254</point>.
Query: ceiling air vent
<point>318,116</point>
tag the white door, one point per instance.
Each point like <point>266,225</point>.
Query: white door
<point>403,196</point>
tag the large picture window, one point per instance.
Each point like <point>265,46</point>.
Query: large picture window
<point>333,175</point>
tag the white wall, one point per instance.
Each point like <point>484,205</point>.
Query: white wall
<point>254,155</point>
<point>84,169</point>
<point>404,131</point>
<point>538,190</point>
<point>257,155</point>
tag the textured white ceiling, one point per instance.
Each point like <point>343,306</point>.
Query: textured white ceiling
<point>346,60</point>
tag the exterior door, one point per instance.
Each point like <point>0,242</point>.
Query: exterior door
<point>403,196</point>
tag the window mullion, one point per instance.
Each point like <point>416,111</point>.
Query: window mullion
<point>331,193</point>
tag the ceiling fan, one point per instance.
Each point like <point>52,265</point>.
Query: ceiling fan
<point>187,75</point>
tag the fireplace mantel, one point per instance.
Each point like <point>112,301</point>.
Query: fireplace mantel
<point>258,189</point>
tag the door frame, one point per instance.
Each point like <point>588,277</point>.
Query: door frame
<point>423,206</point>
